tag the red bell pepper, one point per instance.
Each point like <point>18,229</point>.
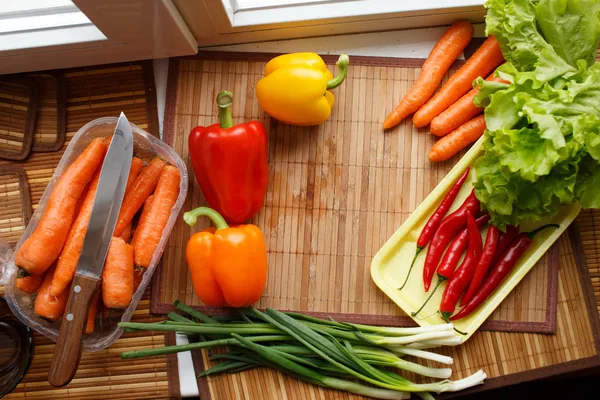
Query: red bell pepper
<point>231,163</point>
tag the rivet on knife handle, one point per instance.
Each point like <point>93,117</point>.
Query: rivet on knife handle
<point>68,346</point>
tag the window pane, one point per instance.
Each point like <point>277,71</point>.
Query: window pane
<point>40,23</point>
<point>253,4</point>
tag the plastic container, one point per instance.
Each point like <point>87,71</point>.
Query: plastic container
<point>106,332</point>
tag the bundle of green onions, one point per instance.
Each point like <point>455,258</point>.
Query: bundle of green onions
<point>328,353</point>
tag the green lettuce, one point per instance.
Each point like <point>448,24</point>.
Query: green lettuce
<point>542,143</point>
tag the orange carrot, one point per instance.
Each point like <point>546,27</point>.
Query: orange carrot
<point>138,274</point>
<point>460,112</point>
<point>48,306</point>
<point>446,50</point>
<point>150,232</point>
<point>67,262</point>
<point>117,276</point>
<point>142,220</point>
<point>458,139</point>
<point>134,172</point>
<point>29,284</point>
<point>126,235</point>
<point>44,245</point>
<point>143,187</point>
<point>487,57</point>
<point>94,305</point>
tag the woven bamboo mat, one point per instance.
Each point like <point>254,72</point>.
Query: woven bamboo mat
<point>15,208</point>
<point>50,127</point>
<point>92,93</point>
<point>336,194</point>
<point>19,100</point>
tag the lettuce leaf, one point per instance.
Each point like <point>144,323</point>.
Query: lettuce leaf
<point>542,145</point>
<point>572,27</point>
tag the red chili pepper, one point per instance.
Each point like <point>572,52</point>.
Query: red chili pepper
<point>501,270</point>
<point>461,278</point>
<point>231,164</point>
<point>489,250</point>
<point>447,230</point>
<point>436,219</point>
<point>451,258</point>
<point>504,241</point>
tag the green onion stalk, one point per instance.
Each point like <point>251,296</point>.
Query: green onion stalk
<point>351,357</point>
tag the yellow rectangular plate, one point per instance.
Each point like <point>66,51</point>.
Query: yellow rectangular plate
<point>390,265</point>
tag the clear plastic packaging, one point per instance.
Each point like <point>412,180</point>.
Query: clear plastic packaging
<point>106,332</point>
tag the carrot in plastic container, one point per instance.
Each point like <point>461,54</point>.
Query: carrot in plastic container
<point>117,276</point>
<point>69,257</point>
<point>134,172</point>
<point>93,311</point>
<point>126,235</point>
<point>446,50</point>
<point>29,284</point>
<point>487,57</point>
<point>150,233</point>
<point>48,306</point>
<point>142,220</point>
<point>44,245</point>
<point>142,187</point>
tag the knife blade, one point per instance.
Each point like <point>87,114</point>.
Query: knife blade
<point>107,204</point>
<point>105,211</point>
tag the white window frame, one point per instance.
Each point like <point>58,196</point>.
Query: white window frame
<point>222,22</point>
<point>134,30</point>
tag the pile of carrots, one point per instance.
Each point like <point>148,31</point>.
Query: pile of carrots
<point>47,260</point>
<point>450,113</point>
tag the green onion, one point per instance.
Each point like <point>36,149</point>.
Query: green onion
<point>328,353</point>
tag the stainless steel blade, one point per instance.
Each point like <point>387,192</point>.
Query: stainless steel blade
<point>107,204</point>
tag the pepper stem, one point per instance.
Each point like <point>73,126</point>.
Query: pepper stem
<point>191,217</point>
<point>411,266</point>
<point>440,280</point>
<point>342,64</point>
<point>541,228</point>
<point>224,101</point>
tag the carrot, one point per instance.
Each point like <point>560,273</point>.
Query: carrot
<point>93,311</point>
<point>159,212</point>
<point>30,283</point>
<point>458,139</point>
<point>48,306</point>
<point>44,245</point>
<point>446,50</point>
<point>460,112</point>
<point>142,220</point>
<point>69,257</point>
<point>117,276</point>
<point>487,57</point>
<point>134,172</point>
<point>143,187</point>
<point>138,275</point>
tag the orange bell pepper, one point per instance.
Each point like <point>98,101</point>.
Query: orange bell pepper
<point>228,265</point>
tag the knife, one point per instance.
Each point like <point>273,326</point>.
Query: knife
<point>105,210</point>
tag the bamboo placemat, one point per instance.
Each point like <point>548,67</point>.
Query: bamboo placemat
<point>15,203</point>
<point>50,125</point>
<point>19,99</point>
<point>336,193</point>
<point>92,93</point>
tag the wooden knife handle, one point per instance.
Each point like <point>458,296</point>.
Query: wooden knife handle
<point>68,345</point>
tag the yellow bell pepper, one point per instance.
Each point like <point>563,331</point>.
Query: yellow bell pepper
<point>295,88</point>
